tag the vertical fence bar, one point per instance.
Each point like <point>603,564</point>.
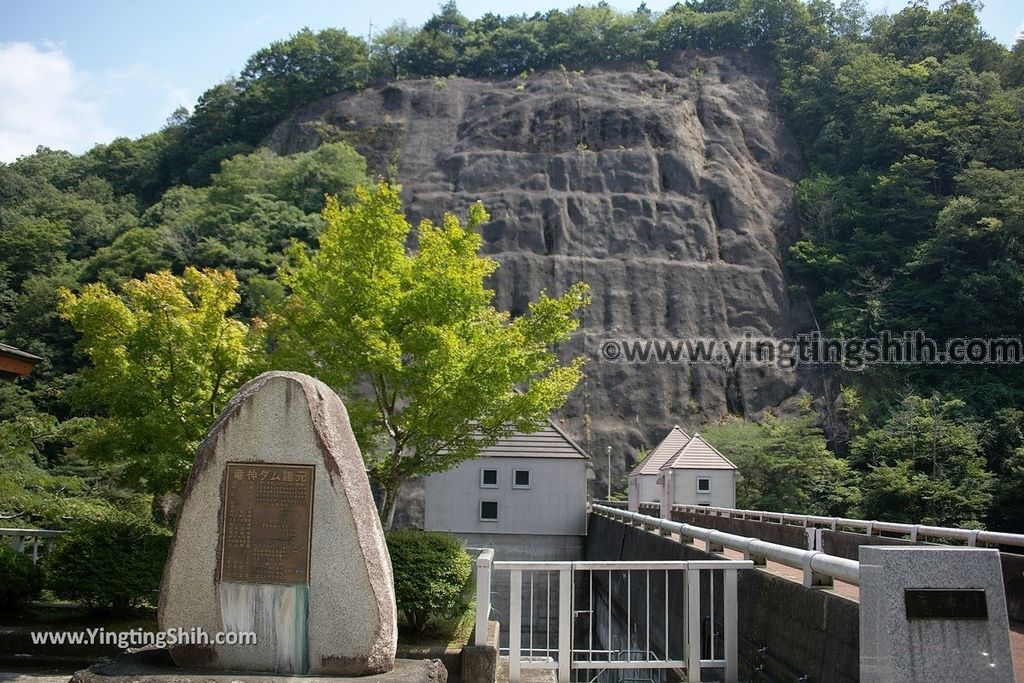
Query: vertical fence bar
<point>711,621</point>
<point>692,626</point>
<point>729,620</point>
<point>547,617</point>
<point>629,616</point>
<point>609,645</point>
<point>590,608</point>
<point>564,624</point>
<point>667,653</point>
<point>515,624</point>
<point>529,621</point>
<point>647,613</point>
<point>483,595</point>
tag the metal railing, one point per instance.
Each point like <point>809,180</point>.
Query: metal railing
<point>23,540</point>
<point>616,617</point>
<point>914,532</point>
<point>819,569</point>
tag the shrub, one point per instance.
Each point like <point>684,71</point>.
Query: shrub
<point>20,580</point>
<point>113,562</point>
<point>432,574</point>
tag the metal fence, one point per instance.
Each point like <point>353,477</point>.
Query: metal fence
<point>600,621</point>
<point>30,541</point>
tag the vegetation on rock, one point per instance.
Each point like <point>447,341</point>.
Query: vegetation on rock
<point>912,208</point>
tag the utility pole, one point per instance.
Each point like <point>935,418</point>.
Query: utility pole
<point>608,450</point>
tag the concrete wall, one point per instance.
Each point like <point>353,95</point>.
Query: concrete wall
<point>1013,584</point>
<point>847,544</point>
<point>844,544</point>
<point>783,534</point>
<point>802,631</point>
<point>680,486</point>
<point>527,547</point>
<point>555,503</point>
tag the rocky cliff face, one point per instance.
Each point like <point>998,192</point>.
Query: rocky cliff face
<point>670,191</point>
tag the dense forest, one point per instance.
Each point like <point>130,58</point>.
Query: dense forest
<point>911,127</point>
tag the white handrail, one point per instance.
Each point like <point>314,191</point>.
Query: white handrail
<point>19,537</point>
<point>818,568</point>
<point>914,532</point>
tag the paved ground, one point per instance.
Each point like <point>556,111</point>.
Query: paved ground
<point>48,677</point>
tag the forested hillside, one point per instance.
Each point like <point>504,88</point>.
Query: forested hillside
<point>911,130</point>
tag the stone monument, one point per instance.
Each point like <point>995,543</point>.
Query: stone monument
<point>932,614</point>
<point>278,535</point>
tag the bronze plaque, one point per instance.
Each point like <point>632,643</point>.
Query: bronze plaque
<point>265,531</point>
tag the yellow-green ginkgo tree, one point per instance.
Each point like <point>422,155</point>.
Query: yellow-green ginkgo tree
<point>164,358</point>
<point>430,371</point>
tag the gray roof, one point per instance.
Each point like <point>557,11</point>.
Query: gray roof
<point>698,454</point>
<point>669,446</point>
<point>11,352</point>
<point>549,442</point>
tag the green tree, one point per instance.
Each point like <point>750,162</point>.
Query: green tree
<point>164,359</point>
<point>785,464</point>
<point>388,51</point>
<point>42,484</point>
<point>291,72</point>
<point>419,329</point>
<point>925,465</point>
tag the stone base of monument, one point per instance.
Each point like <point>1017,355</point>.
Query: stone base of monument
<point>933,613</point>
<point>154,665</point>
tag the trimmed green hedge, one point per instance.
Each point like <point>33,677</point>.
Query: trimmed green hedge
<point>432,575</point>
<point>112,562</point>
<point>20,580</point>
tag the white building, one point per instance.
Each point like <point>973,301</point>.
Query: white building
<point>643,486</point>
<point>525,496</point>
<point>697,475</point>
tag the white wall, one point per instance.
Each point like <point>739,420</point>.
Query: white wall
<point>650,490</point>
<point>643,488</point>
<point>555,503</point>
<point>680,487</point>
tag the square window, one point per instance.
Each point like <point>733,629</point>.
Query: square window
<point>488,511</point>
<point>489,479</point>
<point>703,484</point>
<point>521,479</point>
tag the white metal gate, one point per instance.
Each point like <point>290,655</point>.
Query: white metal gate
<point>612,621</point>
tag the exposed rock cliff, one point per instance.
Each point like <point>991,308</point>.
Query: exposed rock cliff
<point>670,191</point>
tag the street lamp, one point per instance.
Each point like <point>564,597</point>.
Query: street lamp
<point>608,450</point>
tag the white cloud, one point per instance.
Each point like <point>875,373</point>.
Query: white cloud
<point>44,101</point>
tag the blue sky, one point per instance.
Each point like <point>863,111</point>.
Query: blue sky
<point>75,73</point>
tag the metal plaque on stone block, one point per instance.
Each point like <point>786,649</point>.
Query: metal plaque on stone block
<point>265,530</point>
<point>945,603</point>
